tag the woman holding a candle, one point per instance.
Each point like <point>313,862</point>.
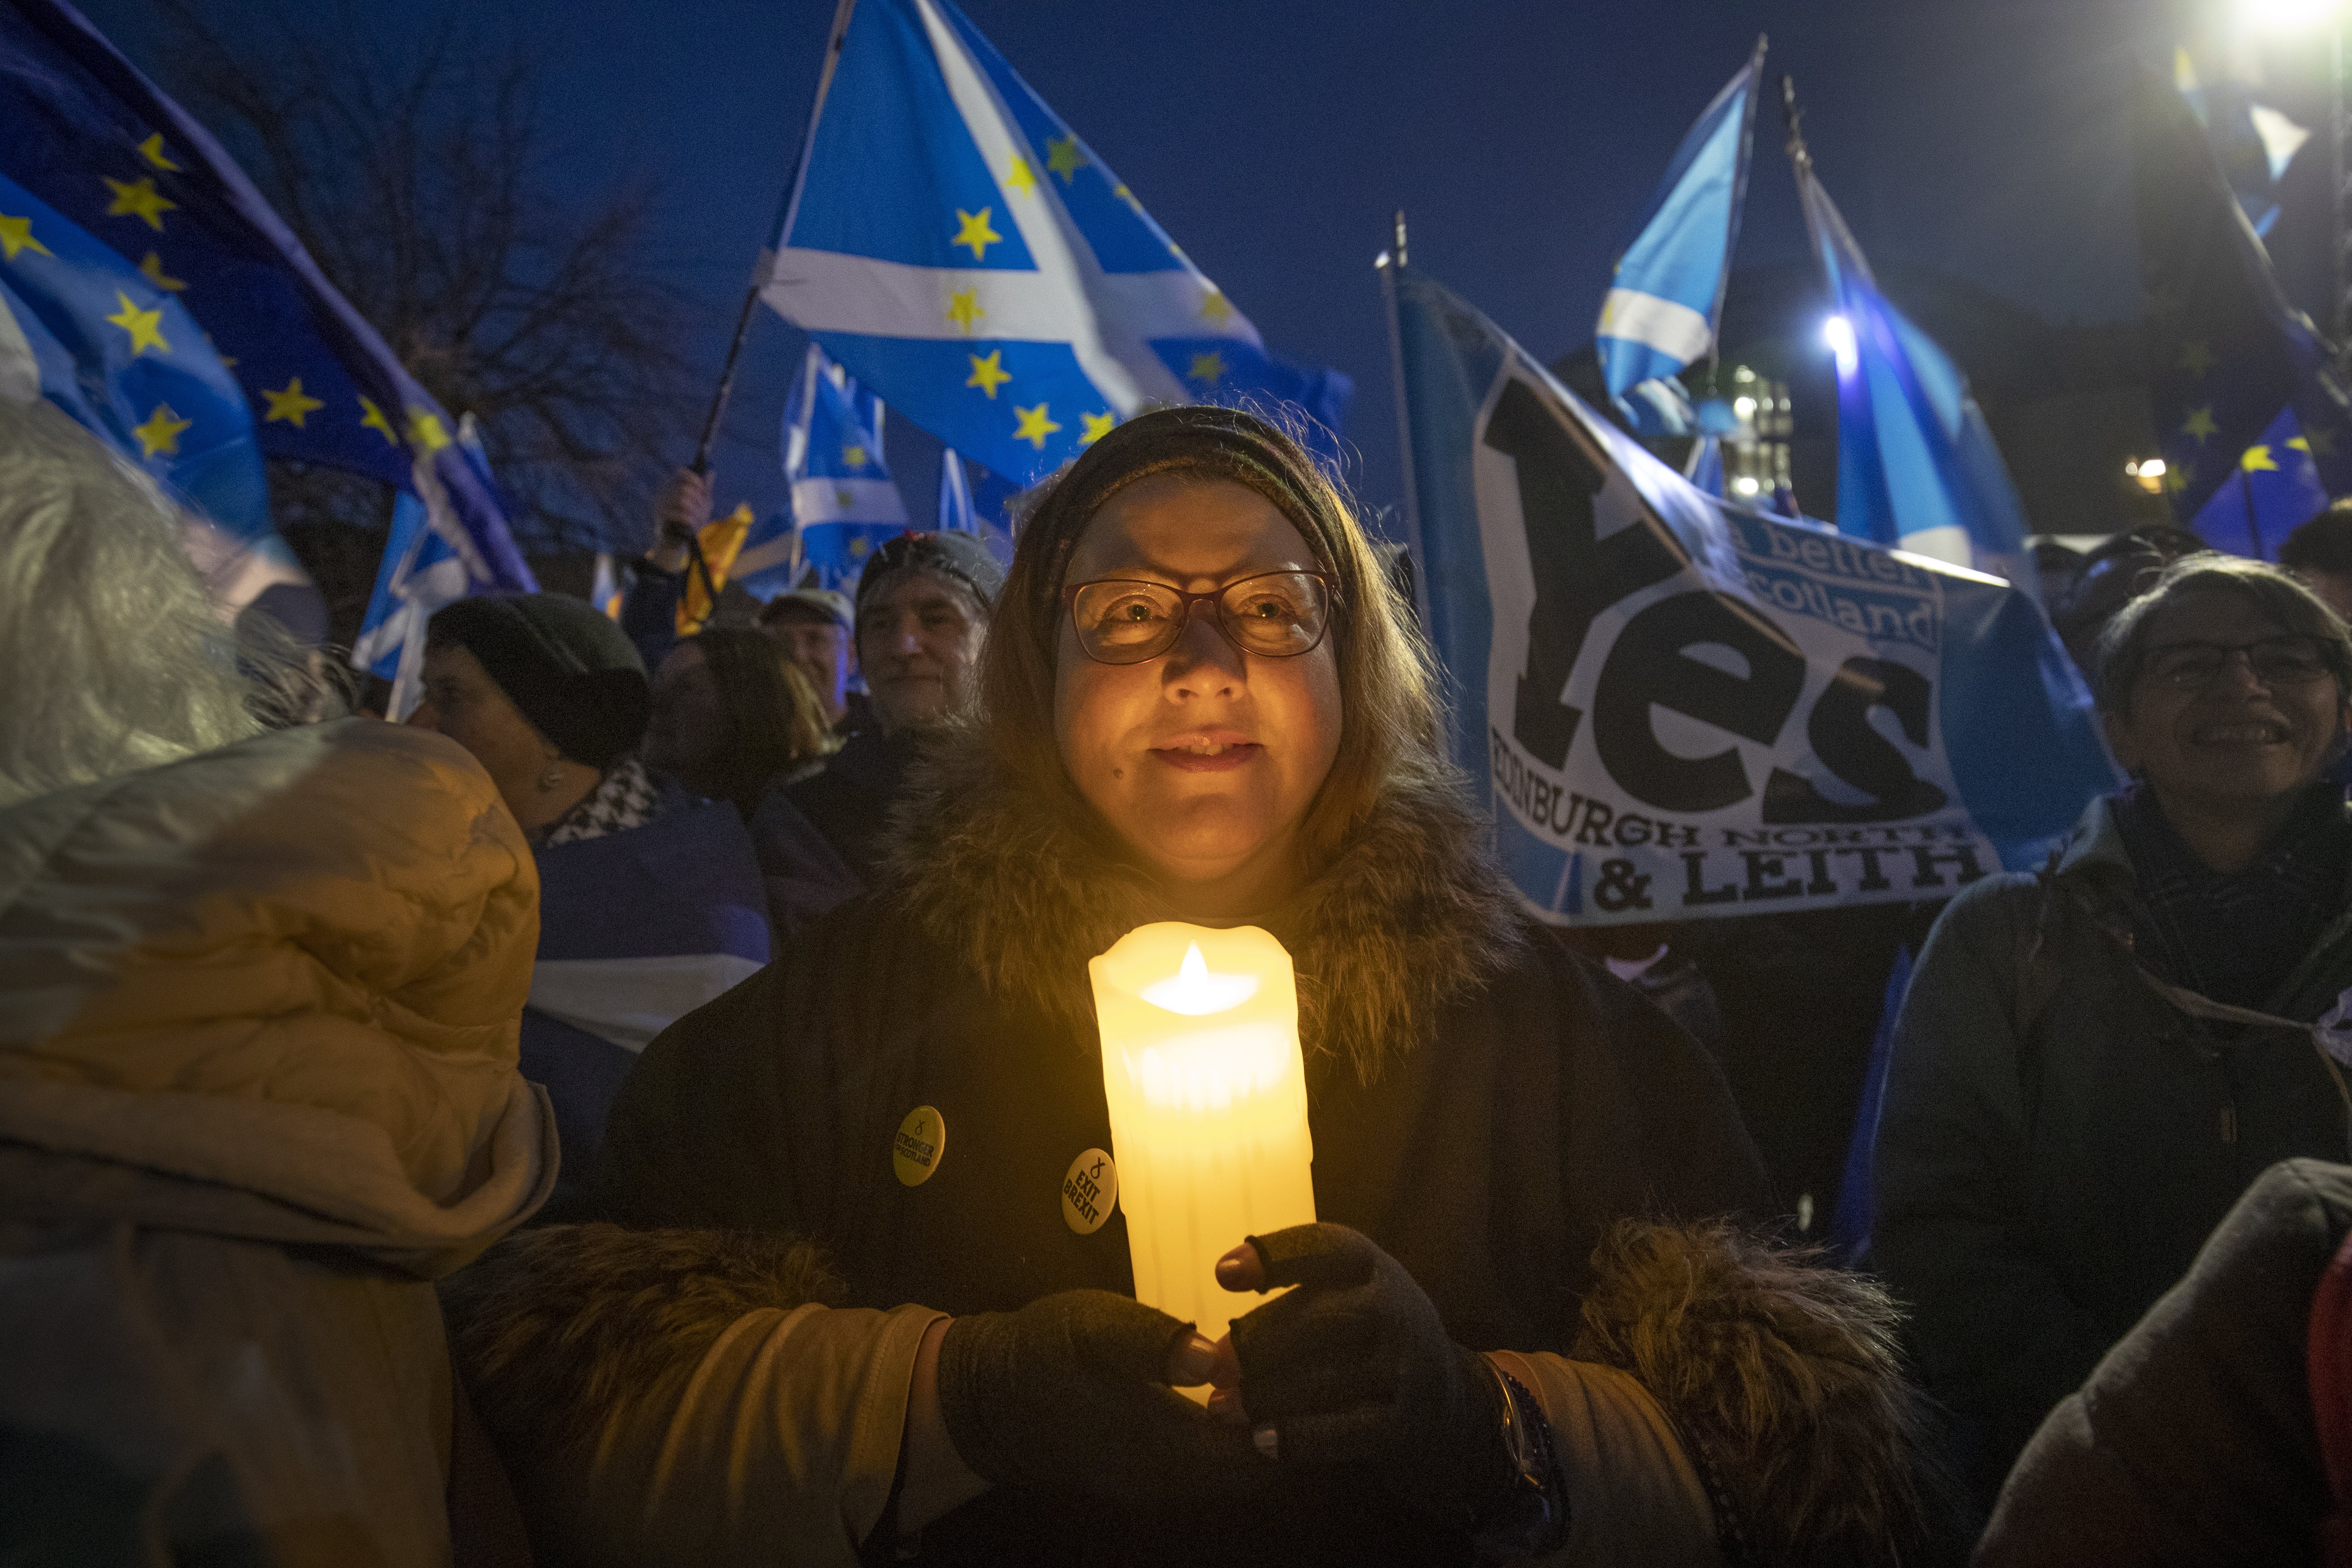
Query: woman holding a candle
<point>1202,703</point>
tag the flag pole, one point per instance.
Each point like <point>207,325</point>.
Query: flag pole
<point>718,399</point>
<point>1388,264</point>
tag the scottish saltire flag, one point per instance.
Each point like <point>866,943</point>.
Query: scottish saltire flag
<point>95,139</point>
<point>1916,463</point>
<point>1681,709</point>
<point>421,571</point>
<point>91,333</point>
<point>956,246</point>
<point>985,509</point>
<point>2226,352</point>
<point>424,566</point>
<point>844,502</point>
<point>1665,300</point>
<point>2275,491</point>
<point>769,562</point>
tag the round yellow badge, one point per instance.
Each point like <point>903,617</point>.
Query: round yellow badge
<point>919,1145</point>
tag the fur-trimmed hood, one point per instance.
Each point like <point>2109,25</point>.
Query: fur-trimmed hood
<point>1410,915</point>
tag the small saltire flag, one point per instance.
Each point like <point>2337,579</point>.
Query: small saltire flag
<point>1684,710</point>
<point>2254,144</point>
<point>2226,350</point>
<point>90,332</point>
<point>769,562</point>
<point>421,572</point>
<point>1706,469</point>
<point>721,543</point>
<point>1665,300</point>
<point>1916,462</point>
<point>93,138</point>
<point>985,509</point>
<point>957,246</point>
<point>425,568</point>
<point>2275,491</point>
<point>844,502</point>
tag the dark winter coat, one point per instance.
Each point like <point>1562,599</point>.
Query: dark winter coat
<point>1486,1105</point>
<point>2194,1442</point>
<point>2058,1138</point>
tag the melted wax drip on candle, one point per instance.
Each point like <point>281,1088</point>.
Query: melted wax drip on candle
<point>1195,993</point>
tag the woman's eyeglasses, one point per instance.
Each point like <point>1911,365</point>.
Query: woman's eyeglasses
<point>2275,661</point>
<point>1275,614</point>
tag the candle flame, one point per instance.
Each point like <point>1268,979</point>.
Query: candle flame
<point>1195,992</point>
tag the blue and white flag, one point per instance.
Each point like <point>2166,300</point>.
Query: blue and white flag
<point>1681,709</point>
<point>1916,463</point>
<point>769,562</point>
<point>89,331</point>
<point>421,572</point>
<point>1665,300</point>
<point>844,502</point>
<point>986,511</point>
<point>957,246</point>
<point>426,566</point>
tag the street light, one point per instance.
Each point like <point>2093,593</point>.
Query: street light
<point>2287,15</point>
<point>1838,332</point>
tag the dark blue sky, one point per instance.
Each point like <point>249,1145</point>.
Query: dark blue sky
<point>1273,141</point>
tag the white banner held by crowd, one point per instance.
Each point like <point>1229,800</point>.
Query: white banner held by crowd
<point>1682,710</point>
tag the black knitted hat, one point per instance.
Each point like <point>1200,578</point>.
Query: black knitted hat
<point>572,671</point>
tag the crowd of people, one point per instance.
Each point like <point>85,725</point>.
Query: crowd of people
<point>471,1139</point>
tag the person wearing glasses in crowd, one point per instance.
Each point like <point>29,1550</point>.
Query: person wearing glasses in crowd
<point>2095,1059</point>
<point>1524,1329</point>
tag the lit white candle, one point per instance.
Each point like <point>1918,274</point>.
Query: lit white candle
<point>1208,1105</point>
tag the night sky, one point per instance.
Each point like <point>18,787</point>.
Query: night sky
<point>1273,141</point>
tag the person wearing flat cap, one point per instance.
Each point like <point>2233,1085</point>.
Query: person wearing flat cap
<point>650,902</point>
<point>923,604</point>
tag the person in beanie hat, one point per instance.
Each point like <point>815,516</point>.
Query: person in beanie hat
<point>650,901</point>
<point>923,604</point>
<point>546,692</point>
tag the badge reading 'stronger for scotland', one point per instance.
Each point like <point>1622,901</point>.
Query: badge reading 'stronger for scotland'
<point>920,1144</point>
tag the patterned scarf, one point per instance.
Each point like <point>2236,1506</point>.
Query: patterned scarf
<point>2234,937</point>
<point>623,798</point>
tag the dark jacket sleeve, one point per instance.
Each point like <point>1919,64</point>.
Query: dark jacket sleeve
<point>1998,1336</point>
<point>804,875</point>
<point>2193,1442</point>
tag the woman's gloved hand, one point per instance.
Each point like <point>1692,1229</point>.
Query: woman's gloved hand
<point>1354,1370</point>
<point>1072,1393</point>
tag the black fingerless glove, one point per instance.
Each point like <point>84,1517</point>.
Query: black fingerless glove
<point>1355,1370</point>
<point>1070,1394</point>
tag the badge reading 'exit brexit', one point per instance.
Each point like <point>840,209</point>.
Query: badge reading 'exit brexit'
<point>920,1144</point>
<point>1089,1192</point>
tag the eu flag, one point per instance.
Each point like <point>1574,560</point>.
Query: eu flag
<point>954,242</point>
<point>2227,354</point>
<point>95,139</point>
<point>91,333</point>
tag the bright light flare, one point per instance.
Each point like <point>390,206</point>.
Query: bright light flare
<point>2288,15</point>
<point>1744,406</point>
<point>1746,485</point>
<point>1838,334</point>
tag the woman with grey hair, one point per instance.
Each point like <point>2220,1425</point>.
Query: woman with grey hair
<point>260,992</point>
<point>2095,1060</point>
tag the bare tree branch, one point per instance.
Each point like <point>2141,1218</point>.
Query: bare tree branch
<point>415,173</point>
